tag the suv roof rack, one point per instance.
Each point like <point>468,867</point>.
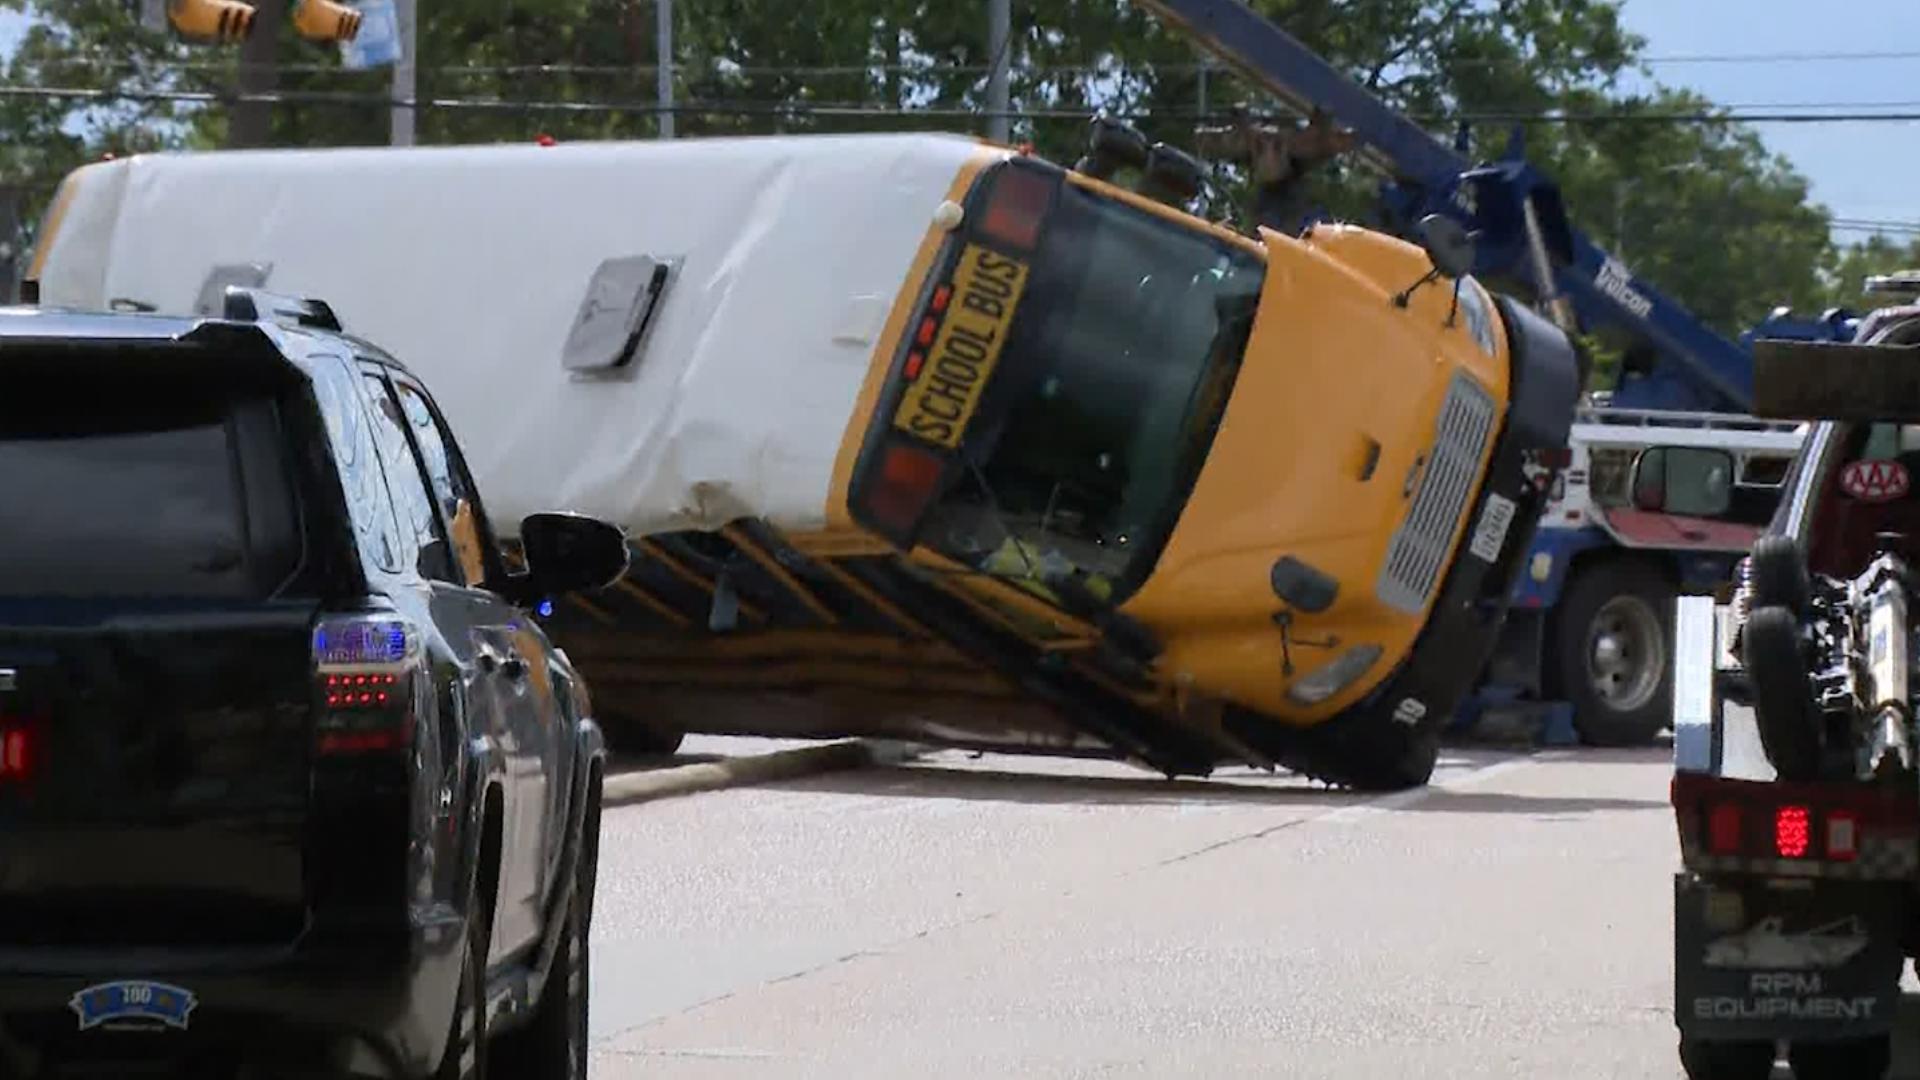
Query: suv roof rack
<point>255,305</point>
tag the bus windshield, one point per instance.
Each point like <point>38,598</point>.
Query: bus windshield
<point>1117,368</point>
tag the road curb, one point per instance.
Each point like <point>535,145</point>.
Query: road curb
<point>677,780</point>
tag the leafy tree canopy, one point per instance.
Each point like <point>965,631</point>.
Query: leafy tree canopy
<point>1702,211</point>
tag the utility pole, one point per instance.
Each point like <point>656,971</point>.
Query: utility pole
<point>251,122</point>
<point>404,83</point>
<point>9,243</point>
<point>1205,66</point>
<point>999,31</point>
<point>663,63</point>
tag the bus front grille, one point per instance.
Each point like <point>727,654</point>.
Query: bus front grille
<point>1417,556</point>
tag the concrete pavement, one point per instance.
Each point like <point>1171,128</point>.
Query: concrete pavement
<point>1033,917</point>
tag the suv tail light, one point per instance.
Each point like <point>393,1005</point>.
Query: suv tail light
<point>367,674</point>
<point>19,750</point>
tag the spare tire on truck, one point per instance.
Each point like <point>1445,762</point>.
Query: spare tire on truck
<point>1779,575</point>
<point>1783,703</point>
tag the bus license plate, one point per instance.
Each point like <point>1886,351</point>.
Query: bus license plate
<point>1490,535</point>
<point>946,390</point>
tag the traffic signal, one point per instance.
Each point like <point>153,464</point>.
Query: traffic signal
<point>211,20</point>
<point>324,20</point>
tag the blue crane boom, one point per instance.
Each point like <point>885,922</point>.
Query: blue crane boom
<point>1523,231</point>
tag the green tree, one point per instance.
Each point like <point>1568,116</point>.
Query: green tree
<point>1700,211</point>
<point>1854,263</point>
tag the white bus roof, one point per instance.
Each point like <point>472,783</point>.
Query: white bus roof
<point>782,256</point>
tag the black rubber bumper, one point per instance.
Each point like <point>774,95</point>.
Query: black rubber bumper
<point>1389,738</point>
<point>1819,962</point>
<point>348,1013</point>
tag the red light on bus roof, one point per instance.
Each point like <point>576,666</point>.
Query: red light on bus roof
<point>1792,832</point>
<point>903,485</point>
<point>1724,829</point>
<point>915,361</point>
<point>1016,206</point>
<point>940,297</point>
<point>927,328</point>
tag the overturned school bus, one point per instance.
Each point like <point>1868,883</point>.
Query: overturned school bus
<point>921,437</point>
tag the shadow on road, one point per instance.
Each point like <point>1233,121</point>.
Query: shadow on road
<point>1048,784</point>
<point>1440,800</point>
<point>999,785</point>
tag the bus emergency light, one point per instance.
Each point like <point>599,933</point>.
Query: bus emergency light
<point>908,480</point>
<point>1016,205</point>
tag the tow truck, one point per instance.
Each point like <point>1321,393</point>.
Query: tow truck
<point>1587,632</point>
<point>1795,791</point>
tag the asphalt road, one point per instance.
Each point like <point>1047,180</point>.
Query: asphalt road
<point>999,916</point>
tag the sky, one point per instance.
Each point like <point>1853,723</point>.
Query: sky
<point>1858,170</point>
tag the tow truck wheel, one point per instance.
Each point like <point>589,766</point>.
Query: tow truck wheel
<point>1782,693</point>
<point>1847,1059</point>
<point>1726,1060</point>
<point>1612,637</point>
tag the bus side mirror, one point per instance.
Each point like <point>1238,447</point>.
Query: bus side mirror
<point>1448,244</point>
<point>1692,481</point>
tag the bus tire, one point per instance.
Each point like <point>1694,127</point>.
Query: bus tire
<point>1866,1058</point>
<point>1704,1060</point>
<point>1783,708</point>
<point>1613,639</point>
<point>1393,760</point>
<point>630,735</point>
<point>1779,575</point>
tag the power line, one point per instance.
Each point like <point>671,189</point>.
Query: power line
<point>1890,227</point>
<point>1777,57</point>
<point>858,109</point>
<point>723,66</point>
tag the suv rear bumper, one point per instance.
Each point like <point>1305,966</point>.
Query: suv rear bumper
<point>354,1011</point>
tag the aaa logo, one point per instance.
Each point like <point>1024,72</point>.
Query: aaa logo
<point>1875,481</point>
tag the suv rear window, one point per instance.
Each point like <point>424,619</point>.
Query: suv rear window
<point>143,489</point>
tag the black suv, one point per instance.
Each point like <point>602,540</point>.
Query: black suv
<point>291,781</point>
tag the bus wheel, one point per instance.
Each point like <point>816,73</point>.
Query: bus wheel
<point>627,734</point>
<point>1726,1060</point>
<point>1612,637</point>
<point>1845,1059</point>
<point>1782,693</point>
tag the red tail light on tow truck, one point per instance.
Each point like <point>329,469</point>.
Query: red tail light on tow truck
<point>367,674</point>
<point>1851,830</point>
